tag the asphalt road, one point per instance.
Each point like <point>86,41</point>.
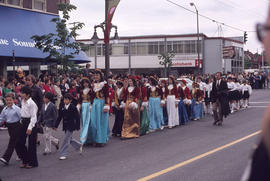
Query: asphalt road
<point>124,160</point>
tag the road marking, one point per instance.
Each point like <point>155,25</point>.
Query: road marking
<point>259,102</point>
<point>157,174</point>
<point>257,106</point>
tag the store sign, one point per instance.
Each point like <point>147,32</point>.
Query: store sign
<point>17,43</point>
<point>183,63</point>
<point>228,52</point>
<point>186,63</point>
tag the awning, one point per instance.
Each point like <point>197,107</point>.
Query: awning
<point>17,26</point>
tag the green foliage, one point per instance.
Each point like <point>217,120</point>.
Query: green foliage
<point>165,59</point>
<point>56,44</point>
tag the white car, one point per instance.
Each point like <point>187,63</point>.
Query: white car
<point>189,82</point>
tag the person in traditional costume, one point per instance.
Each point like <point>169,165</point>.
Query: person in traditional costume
<point>238,94</point>
<point>163,86</point>
<point>111,92</point>
<point>99,119</point>
<point>183,116</point>
<point>246,92</point>
<point>144,125</point>
<point>187,97</point>
<point>172,103</point>
<point>197,98</point>
<point>131,125</point>
<point>232,95</point>
<point>118,108</point>
<point>84,107</point>
<point>155,103</point>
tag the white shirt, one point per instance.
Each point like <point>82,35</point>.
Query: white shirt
<point>29,110</point>
<point>46,105</point>
<point>246,88</point>
<point>218,82</point>
<point>67,106</point>
<point>119,91</point>
<point>202,86</point>
<point>231,86</point>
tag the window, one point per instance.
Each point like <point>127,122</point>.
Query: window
<point>169,46</point>
<point>100,49</point>
<point>39,5</point>
<point>2,1</point>
<point>133,50</point>
<point>162,47</point>
<point>14,2</point>
<point>117,49</point>
<point>153,48</point>
<point>142,48</point>
<point>178,47</point>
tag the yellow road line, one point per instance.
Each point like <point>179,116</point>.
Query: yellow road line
<point>157,174</point>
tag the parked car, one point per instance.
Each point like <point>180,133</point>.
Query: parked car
<point>189,82</point>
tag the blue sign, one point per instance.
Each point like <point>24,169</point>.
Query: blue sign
<point>17,28</point>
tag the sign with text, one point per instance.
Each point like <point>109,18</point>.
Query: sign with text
<point>185,63</point>
<point>228,52</point>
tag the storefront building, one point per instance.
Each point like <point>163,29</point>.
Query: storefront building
<point>20,20</point>
<point>144,52</point>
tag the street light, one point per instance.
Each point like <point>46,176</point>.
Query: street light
<point>95,40</point>
<point>198,35</point>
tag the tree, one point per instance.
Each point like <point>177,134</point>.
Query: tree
<point>56,44</point>
<point>247,63</point>
<point>166,61</point>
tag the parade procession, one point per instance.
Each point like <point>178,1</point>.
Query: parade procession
<point>163,90</point>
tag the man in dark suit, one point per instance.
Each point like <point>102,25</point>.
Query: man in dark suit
<point>47,118</point>
<point>220,100</point>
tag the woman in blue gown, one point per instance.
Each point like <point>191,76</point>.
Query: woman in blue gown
<point>99,120</point>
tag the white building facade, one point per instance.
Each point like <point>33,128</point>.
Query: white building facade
<point>140,53</point>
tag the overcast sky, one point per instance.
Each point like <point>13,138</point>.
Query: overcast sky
<point>151,17</point>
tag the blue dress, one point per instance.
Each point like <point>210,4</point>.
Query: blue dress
<point>99,123</point>
<point>85,118</point>
<point>183,116</point>
<point>155,113</point>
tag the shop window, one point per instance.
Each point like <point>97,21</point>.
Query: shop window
<point>126,49</point>
<point>117,49</point>
<point>14,2</point>
<point>188,47</point>
<point>169,46</point>
<point>133,49</point>
<point>39,5</point>
<point>162,47</point>
<point>153,48</point>
<point>142,49</point>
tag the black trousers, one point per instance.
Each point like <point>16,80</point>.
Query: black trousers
<point>28,155</point>
<point>14,133</point>
<point>119,119</point>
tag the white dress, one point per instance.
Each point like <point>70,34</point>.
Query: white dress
<point>173,117</point>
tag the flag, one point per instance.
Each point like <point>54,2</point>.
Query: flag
<point>112,5</point>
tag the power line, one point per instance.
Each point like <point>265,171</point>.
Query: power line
<point>236,7</point>
<point>206,17</point>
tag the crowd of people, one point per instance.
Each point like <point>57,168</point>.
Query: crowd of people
<point>141,105</point>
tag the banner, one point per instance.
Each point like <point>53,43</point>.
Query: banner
<point>112,5</point>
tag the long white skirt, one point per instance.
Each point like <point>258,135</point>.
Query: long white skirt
<point>173,118</point>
